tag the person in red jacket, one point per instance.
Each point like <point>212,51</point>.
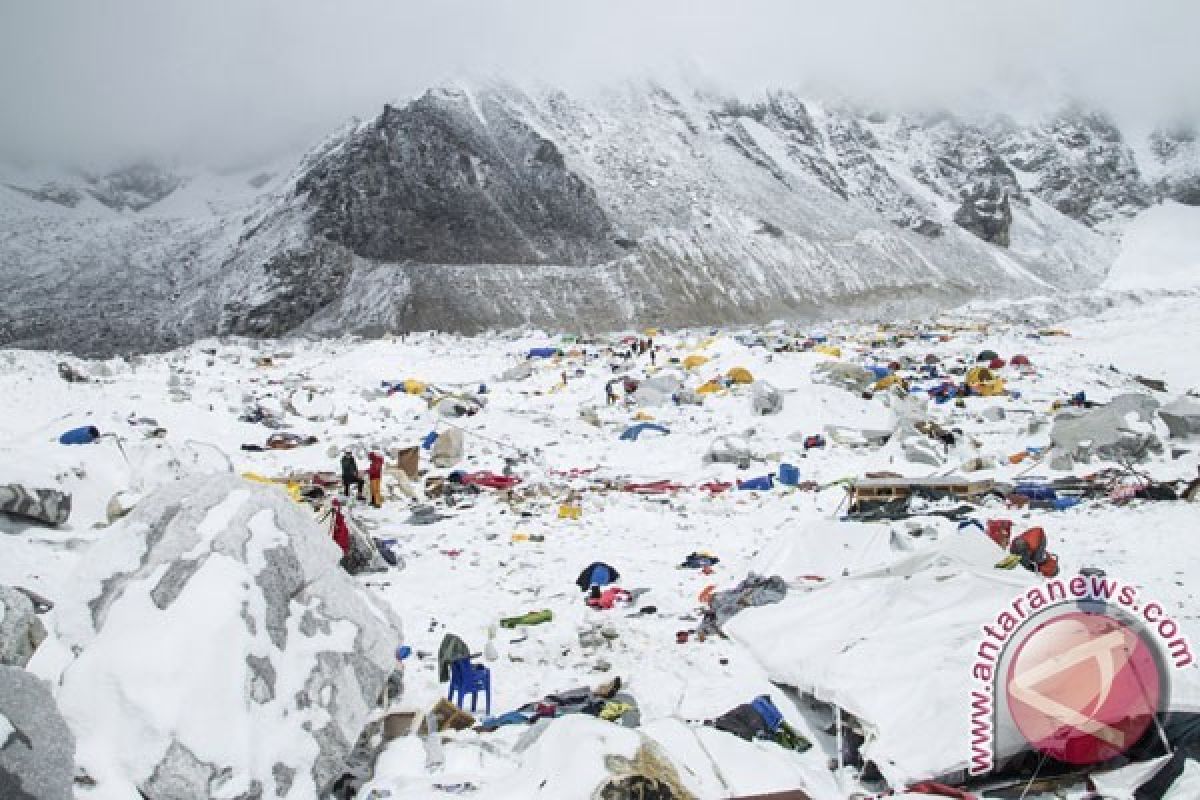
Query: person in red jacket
<point>339,530</point>
<point>375,476</point>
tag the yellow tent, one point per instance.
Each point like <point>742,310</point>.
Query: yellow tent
<point>651,331</point>
<point>990,388</point>
<point>828,350</point>
<point>888,381</point>
<point>984,382</point>
<point>412,386</point>
<point>979,375</point>
<point>256,478</point>
<point>695,360</point>
<point>291,487</point>
<point>711,387</point>
<point>740,375</point>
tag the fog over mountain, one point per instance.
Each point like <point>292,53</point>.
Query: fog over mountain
<point>228,83</point>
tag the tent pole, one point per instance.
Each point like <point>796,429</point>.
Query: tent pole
<point>837,727</point>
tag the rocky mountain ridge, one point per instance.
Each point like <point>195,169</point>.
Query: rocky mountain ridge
<point>476,207</point>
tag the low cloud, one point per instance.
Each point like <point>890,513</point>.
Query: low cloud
<point>227,82</point>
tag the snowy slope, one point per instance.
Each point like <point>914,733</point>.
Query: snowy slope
<point>1161,250</point>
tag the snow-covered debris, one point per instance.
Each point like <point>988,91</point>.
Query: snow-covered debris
<point>1182,416</point>
<point>1120,430</point>
<point>221,650</point>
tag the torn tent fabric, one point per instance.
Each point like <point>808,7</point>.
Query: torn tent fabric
<point>596,574</point>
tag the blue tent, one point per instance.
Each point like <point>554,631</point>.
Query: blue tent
<point>596,574</point>
<point>85,435</point>
<point>631,434</point>
<point>544,352</point>
<point>879,372</point>
<point>762,483</point>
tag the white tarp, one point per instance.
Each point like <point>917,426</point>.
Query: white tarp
<point>865,643</point>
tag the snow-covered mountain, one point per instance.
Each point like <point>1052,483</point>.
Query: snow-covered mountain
<point>494,206</point>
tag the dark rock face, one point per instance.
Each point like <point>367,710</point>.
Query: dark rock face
<point>134,188</point>
<point>443,182</point>
<point>1178,154</point>
<point>1084,167</point>
<point>985,212</point>
<point>21,632</point>
<point>66,196</point>
<point>37,749</point>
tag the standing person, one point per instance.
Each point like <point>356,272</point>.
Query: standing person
<point>375,474</point>
<point>350,475</point>
<point>610,394</point>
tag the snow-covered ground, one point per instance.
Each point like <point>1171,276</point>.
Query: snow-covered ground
<point>499,555</point>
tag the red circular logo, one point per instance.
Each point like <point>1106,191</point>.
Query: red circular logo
<point>1083,687</point>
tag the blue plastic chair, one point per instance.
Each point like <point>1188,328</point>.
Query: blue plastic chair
<point>789,474</point>
<point>469,679</point>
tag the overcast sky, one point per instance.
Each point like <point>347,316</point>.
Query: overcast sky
<point>227,81</point>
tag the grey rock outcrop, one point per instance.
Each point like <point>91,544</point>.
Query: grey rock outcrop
<point>1084,167</point>
<point>1177,154</point>
<point>985,212</point>
<point>21,632</point>
<point>37,749</point>
<point>505,194</point>
<point>209,578</point>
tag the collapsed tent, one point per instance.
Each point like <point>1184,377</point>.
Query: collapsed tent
<point>871,636</point>
<point>740,375</point>
<point>447,448</point>
<point>49,506</point>
<point>729,450</point>
<point>517,372</point>
<point>846,375</point>
<point>1108,432</point>
<point>632,433</point>
<point>454,406</point>
<point>1182,417</point>
<point>765,398</point>
<point>666,383</point>
<point>756,590</point>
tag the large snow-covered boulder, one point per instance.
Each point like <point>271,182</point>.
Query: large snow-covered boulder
<point>20,630</point>
<point>36,747</point>
<point>221,651</point>
<point>1121,429</point>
